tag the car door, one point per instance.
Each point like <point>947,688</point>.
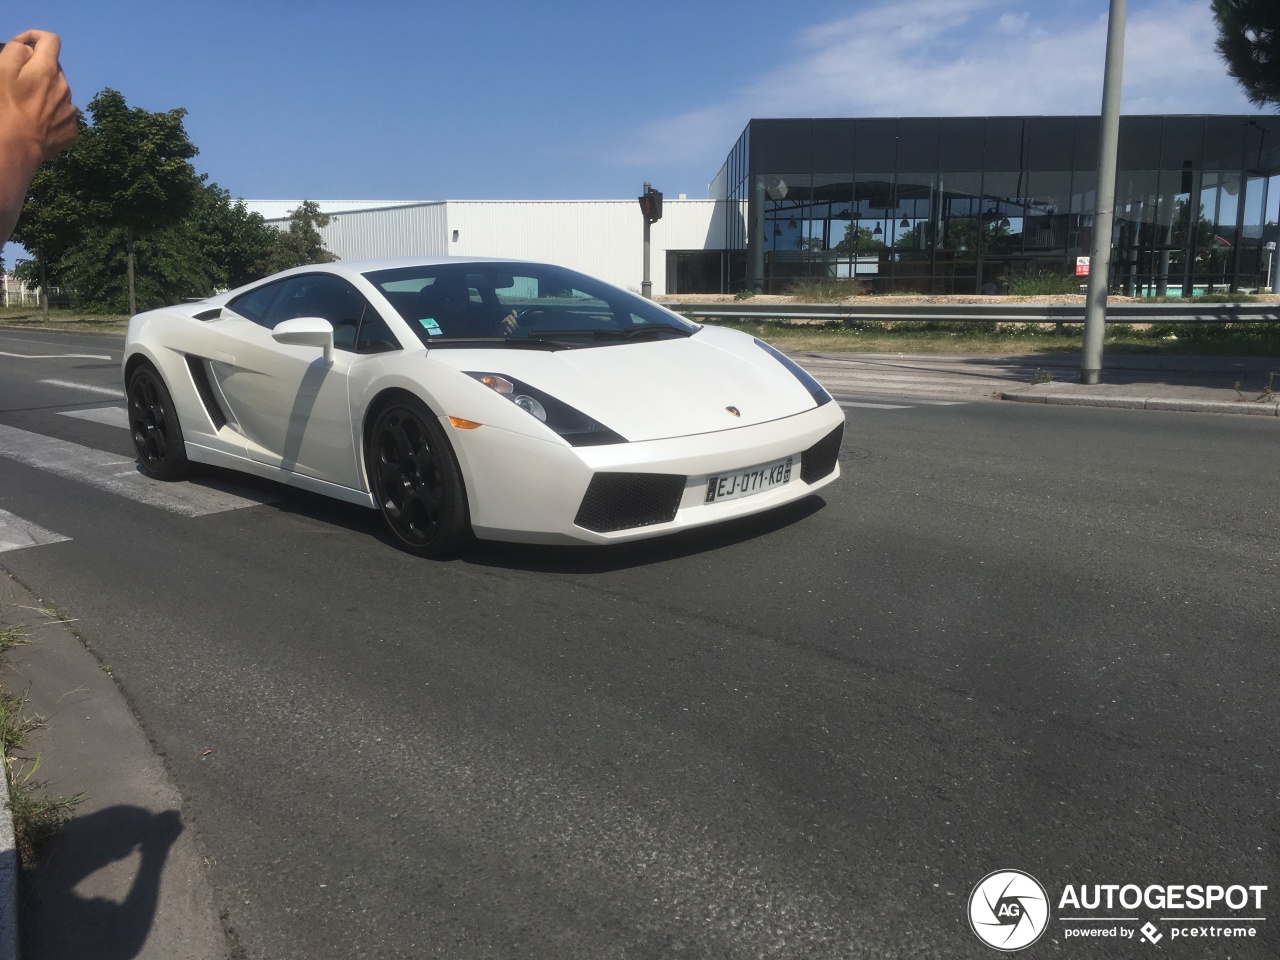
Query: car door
<point>292,408</point>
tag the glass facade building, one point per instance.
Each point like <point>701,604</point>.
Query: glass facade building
<point>961,205</point>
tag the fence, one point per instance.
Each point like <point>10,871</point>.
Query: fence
<point>17,294</point>
<point>982,312</point>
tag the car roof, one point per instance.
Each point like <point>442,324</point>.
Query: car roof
<point>352,269</point>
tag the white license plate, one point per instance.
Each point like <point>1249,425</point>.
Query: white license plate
<point>748,482</point>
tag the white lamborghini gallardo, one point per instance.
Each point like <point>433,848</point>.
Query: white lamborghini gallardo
<point>488,398</point>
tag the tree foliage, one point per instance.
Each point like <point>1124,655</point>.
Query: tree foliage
<point>136,177</point>
<point>50,225</point>
<point>123,222</point>
<point>218,245</point>
<point>300,243</point>
<point>1249,41</point>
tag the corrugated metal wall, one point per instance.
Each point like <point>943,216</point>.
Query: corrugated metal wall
<point>604,238</point>
<point>416,230</point>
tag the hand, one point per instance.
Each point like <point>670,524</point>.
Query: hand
<point>37,119</point>
<point>36,113</point>
<point>508,323</point>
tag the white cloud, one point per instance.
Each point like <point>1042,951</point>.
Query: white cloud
<point>965,58</point>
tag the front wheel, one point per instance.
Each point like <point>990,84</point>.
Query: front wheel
<point>153,422</point>
<point>417,482</point>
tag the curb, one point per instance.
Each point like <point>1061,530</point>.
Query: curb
<point>8,881</point>
<point>1270,409</point>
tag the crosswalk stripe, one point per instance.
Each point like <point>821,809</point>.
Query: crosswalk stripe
<point>89,387</point>
<point>117,475</point>
<point>16,533</point>
<point>111,416</point>
<point>874,406</point>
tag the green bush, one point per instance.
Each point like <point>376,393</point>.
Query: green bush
<point>824,289</point>
<point>1042,282</point>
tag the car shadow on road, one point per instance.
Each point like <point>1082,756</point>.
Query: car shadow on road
<point>83,900</point>
<point>610,558</point>
<point>568,558</point>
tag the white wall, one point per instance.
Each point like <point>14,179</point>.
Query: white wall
<point>604,238</point>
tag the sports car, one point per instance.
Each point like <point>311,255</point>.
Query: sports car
<point>479,398</point>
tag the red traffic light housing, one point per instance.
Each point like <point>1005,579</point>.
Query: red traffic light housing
<point>651,205</point>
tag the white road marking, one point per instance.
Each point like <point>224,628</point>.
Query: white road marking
<point>16,533</point>
<point>875,406</point>
<point>91,388</point>
<point>111,416</point>
<point>56,356</point>
<point>121,476</point>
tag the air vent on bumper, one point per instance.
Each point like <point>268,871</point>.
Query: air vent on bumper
<point>621,501</point>
<point>820,459</point>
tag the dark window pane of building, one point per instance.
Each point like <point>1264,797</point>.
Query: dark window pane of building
<point>960,144</point>
<point>875,145</point>
<point>1003,149</point>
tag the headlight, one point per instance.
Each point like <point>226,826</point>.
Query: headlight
<point>815,389</point>
<point>576,427</point>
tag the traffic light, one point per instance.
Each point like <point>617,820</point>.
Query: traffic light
<point>651,205</point>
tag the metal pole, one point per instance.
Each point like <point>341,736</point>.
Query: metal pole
<point>1095,316</point>
<point>757,240</point>
<point>646,286</point>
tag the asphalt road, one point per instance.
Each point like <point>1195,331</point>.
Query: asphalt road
<point>1013,636</point>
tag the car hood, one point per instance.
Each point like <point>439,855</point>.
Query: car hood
<point>655,389</point>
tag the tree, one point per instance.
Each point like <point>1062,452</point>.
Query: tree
<point>858,241</point>
<point>136,175</point>
<point>50,225</point>
<point>219,244</point>
<point>236,243</point>
<point>301,243</point>
<point>1249,41</point>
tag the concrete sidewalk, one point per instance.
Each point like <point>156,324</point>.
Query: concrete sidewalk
<point>125,878</point>
<point>1231,385</point>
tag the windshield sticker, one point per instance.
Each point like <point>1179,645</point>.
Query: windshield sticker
<point>432,328</point>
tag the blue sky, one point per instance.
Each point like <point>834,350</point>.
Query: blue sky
<point>497,99</point>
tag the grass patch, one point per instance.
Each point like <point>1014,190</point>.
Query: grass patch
<point>869,336</point>
<point>61,318</point>
<point>824,289</point>
<point>1039,283</point>
<point>36,817</point>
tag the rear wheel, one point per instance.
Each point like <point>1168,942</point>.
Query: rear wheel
<point>153,422</point>
<point>417,482</point>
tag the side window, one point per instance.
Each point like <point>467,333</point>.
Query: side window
<point>321,295</point>
<point>256,304</point>
<point>375,336</point>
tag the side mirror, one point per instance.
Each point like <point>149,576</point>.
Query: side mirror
<point>306,332</point>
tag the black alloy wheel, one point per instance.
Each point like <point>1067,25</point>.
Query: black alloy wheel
<point>416,481</point>
<point>157,435</point>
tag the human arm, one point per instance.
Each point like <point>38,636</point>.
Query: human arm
<point>37,118</point>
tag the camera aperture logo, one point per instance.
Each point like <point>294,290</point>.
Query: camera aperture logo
<point>1008,910</point>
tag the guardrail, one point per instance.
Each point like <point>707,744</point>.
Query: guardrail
<point>983,312</point>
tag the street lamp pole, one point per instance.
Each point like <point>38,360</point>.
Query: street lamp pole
<point>1095,316</point>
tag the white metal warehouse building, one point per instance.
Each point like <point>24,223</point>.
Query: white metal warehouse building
<point>604,238</point>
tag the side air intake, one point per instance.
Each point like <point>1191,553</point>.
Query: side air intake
<point>200,377</point>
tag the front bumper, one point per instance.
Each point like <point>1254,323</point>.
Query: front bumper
<point>523,489</point>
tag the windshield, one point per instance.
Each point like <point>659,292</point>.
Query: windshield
<point>520,304</point>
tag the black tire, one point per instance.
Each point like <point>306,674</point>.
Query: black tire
<point>416,481</point>
<point>153,422</point>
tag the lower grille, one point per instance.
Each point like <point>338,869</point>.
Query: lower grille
<point>820,459</point>
<point>620,501</point>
